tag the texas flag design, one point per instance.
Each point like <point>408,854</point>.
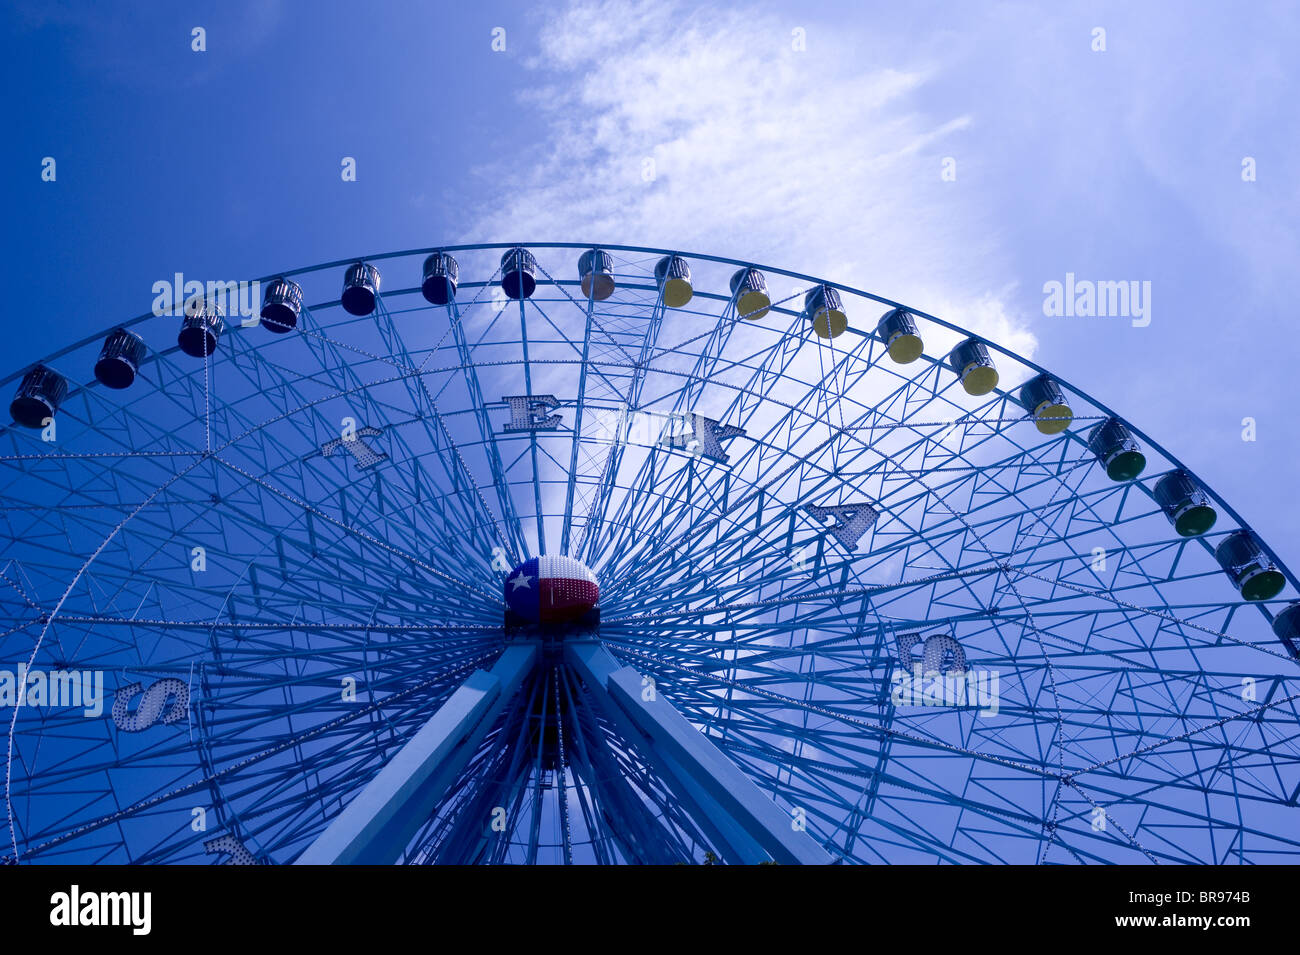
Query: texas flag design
<point>551,590</point>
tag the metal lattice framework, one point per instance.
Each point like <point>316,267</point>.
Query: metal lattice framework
<point>287,557</point>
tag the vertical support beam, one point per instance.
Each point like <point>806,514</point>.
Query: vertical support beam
<point>725,801</point>
<point>532,434</point>
<point>376,826</point>
<point>513,529</point>
<point>577,422</point>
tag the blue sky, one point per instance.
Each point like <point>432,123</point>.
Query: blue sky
<point>1115,165</point>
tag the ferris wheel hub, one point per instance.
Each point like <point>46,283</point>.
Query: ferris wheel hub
<point>551,590</point>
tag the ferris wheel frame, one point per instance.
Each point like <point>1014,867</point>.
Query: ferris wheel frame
<point>760,819</point>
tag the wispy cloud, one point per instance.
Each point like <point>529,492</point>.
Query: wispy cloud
<point>709,130</point>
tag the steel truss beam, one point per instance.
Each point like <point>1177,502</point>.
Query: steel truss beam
<point>722,798</point>
<point>377,825</point>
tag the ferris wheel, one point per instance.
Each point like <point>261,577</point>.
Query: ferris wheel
<point>572,554</point>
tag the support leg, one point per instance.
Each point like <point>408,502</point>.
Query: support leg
<point>376,826</point>
<point>723,799</point>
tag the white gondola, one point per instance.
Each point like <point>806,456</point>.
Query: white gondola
<point>518,273</point>
<point>440,277</point>
<point>596,270</point>
<point>360,288</point>
<point>39,395</point>
<point>282,305</point>
<point>749,289</point>
<point>1043,399</point>
<point>897,329</point>
<point>673,276</point>
<point>119,359</point>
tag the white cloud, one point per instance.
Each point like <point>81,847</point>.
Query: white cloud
<point>812,161</point>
